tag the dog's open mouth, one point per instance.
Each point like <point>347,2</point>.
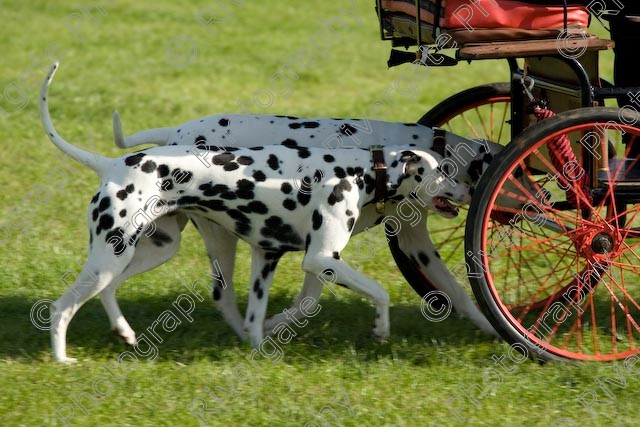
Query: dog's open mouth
<point>443,205</point>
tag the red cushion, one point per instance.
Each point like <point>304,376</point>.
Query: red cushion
<point>482,14</point>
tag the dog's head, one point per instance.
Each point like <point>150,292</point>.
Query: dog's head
<point>467,159</point>
<point>423,180</point>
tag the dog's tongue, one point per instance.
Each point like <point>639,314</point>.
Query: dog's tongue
<point>443,204</point>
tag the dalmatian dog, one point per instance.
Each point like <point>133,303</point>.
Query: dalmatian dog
<point>465,159</point>
<point>250,193</point>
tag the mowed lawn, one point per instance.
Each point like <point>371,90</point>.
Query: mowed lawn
<point>160,65</point>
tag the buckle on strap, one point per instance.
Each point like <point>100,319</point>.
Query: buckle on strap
<point>380,169</point>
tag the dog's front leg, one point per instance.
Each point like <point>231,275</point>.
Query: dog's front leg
<point>414,241</point>
<point>263,264</point>
<point>323,264</point>
<point>221,248</point>
<point>311,290</point>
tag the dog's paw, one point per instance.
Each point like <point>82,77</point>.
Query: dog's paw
<point>380,334</point>
<point>68,360</point>
<point>128,337</point>
<point>379,338</point>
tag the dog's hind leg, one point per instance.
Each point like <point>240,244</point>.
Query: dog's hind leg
<point>150,252</point>
<point>99,271</point>
<point>263,264</point>
<point>221,248</point>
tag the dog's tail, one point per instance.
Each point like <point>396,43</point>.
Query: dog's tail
<point>158,136</point>
<point>94,161</point>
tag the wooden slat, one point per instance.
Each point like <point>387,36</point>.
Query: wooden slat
<point>495,50</point>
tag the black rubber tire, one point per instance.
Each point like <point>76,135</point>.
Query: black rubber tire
<point>479,206</point>
<point>461,101</point>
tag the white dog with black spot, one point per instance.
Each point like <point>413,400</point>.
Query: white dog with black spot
<point>249,193</point>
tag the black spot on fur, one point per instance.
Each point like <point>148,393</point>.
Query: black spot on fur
<point>200,140</point>
<point>166,185</point>
<point>306,125</point>
<point>289,204</point>
<point>258,207</point>
<point>347,129</point>
<point>245,189</point>
<point>160,238</point>
<point>134,160</point>
<point>95,197</point>
<point>350,223</point>
<point>336,255</point>
<point>104,203</point>
<point>304,152</point>
<point>238,216</point>
<point>216,293</point>
<point>475,170</point>
<point>223,122</point>
<point>316,219</point>
<point>210,190</point>
<point>163,170</point>
<point>289,143</point>
<point>337,193</point>
<point>231,166</point>
<point>181,176</point>
<point>286,188</point>
<point>148,166</point>
<point>95,214</point>
<point>223,158</point>
<point>273,162</point>
<point>105,223</point>
<point>275,228</point>
<point>188,200</point>
<point>123,213</point>
<point>115,237</point>
<point>339,172</point>
<point>303,197</point>
<point>424,259</point>
<point>329,158</point>
<point>242,228</point>
<point>259,176</point>
<point>244,160</point>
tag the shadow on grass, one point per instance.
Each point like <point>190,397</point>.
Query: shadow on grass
<point>340,326</point>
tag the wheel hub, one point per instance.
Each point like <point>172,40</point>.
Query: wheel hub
<point>602,243</point>
<point>597,243</point>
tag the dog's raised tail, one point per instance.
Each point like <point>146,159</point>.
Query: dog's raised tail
<point>159,136</point>
<point>92,160</point>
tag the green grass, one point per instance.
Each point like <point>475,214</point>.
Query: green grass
<point>121,63</point>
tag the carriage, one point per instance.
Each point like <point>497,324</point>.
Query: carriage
<point>551,240</point>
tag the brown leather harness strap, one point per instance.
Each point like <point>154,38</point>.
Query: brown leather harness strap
<point>380,169</point>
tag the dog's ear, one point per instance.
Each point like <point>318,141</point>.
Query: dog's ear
<point>411,162</point>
